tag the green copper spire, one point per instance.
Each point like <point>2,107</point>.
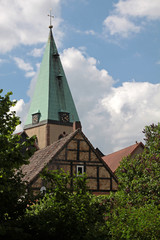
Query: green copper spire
<point>52,97</point>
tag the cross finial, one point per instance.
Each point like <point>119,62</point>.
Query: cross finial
<point>51,16</point>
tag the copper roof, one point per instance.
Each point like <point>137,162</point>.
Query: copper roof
<point>52,94</point>
<point>113,159</point>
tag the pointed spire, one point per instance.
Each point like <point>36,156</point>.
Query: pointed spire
<point>52,97</point>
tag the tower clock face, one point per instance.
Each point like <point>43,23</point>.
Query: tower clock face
<point>64,117</point>
<point>35,118</point>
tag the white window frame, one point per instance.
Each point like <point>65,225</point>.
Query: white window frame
<point>82,168</point>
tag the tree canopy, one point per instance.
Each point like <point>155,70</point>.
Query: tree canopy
<point>134,211</point>
<point>67,213</point>
<point>13,154</point>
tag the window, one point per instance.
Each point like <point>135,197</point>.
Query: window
<point>80,170</point>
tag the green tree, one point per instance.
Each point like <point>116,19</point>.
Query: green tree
<point>130,222</point>
<point>13,154</point>
<point>67,213</point>
<point>139,177</point>
<point>134,211</point>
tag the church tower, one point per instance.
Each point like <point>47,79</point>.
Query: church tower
<point>52,111</point>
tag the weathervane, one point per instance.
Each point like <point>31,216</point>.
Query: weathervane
<point>51,16</point>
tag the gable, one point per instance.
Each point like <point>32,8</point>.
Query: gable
<point>76,151</point>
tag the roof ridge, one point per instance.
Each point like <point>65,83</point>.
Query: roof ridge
<point>123,149</point>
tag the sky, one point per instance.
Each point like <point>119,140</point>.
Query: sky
<point>110,51</point>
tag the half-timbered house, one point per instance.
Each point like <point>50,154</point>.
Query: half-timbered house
<point>74,154</point>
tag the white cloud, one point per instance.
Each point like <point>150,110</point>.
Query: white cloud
<point>26,22</point>
<point>20,108</point>
<point>22,65</point>
<point>131,107</point>
<point>37,52</point>
<point>123,20</point>
<point>120,25</point>
<point>30,74</point>
<point>139,8</point>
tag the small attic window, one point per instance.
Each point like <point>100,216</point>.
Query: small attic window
<point>80,170</point>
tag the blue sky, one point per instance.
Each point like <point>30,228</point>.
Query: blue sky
<point>110,51</point>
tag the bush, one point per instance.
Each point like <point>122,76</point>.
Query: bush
<point>67,213</point>
<point>141,223</point>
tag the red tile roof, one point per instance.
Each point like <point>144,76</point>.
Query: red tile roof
<point>113,160</point>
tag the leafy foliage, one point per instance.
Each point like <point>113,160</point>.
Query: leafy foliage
<point>67,213</point>
<point>139,177</point>
<point>134,211</point>
<point>13,153</point>
<point>141,223</point>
